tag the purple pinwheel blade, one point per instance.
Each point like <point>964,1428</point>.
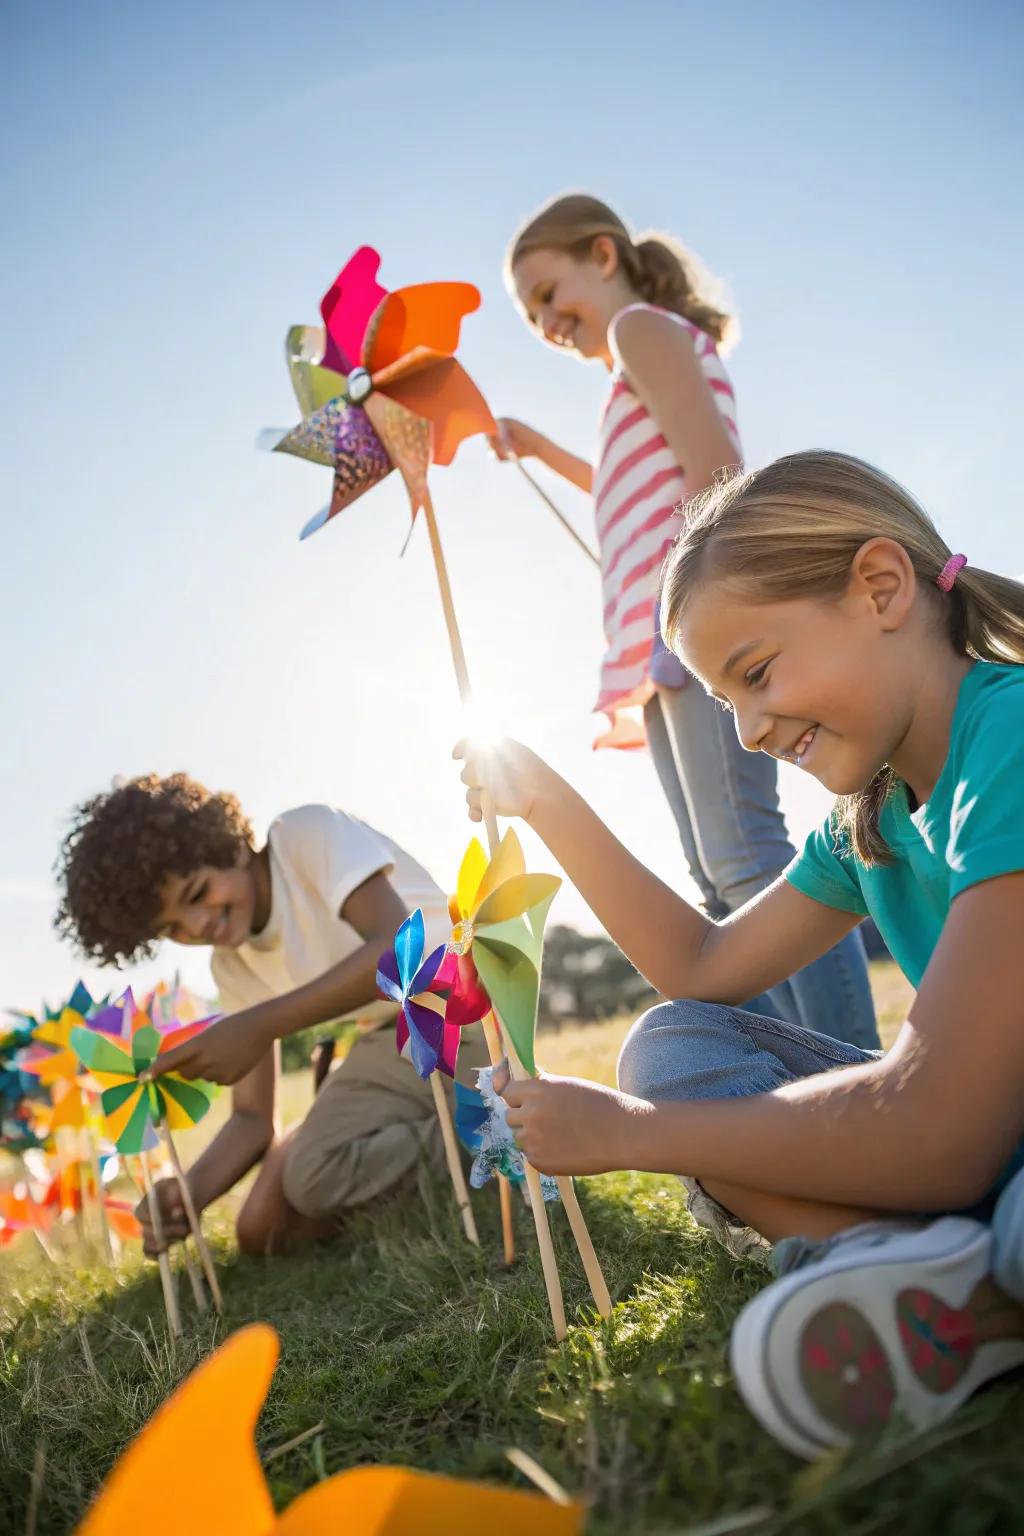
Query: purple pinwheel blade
<point>388,981</point>
<point>427,975</point>
<point>426,1035</point>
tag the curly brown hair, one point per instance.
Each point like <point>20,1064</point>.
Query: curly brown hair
<point>119,850</point>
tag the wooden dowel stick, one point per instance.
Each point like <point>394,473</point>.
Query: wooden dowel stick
<point>540,1215</point>
<point>163,1259</point>
<point>190,1266</point>
<point>548,1262</point>
<point>508,1236</point>
<point>205,1257</point>
<point>591,1263</point>
<point>94,1159</point>
<point>546,499</point>
<point>451,1152</point>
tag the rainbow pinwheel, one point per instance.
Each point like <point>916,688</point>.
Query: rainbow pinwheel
<point>19,1212</point>
<point>411,981</point>
<point>52,1060</point>
<point>201,1438</point>
<point>378,386</point>
<point>134,1108</point>
<point>499,912</point>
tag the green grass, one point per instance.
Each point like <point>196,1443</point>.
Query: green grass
<point>413,1348</point>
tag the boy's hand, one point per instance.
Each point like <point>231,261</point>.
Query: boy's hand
<point>224,1053</point>
<point>173,1217</point>
<point>565,1125</point>
<point>508,772</point>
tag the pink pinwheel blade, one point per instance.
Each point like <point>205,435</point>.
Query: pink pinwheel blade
<point>347,306</point>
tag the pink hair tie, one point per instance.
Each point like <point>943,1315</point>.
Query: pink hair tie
<point>950,571</point>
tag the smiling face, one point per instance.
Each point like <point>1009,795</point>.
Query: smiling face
<point>826,684</point>
<point>211,905</point>
<point>572,302</point>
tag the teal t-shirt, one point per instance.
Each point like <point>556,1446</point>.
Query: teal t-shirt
<point>971,829</point>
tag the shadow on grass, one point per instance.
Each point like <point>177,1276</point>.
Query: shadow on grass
<point>411,1347</point>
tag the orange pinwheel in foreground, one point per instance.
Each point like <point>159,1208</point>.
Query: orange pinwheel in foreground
<point>202,1438</point>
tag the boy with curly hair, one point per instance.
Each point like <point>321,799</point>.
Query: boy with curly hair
<point>296,929</point>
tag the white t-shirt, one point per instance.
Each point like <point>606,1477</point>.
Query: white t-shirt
<point>318,857</point>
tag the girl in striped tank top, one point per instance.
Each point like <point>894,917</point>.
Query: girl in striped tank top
<point>669,424</point>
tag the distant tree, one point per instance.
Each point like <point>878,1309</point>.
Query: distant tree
<point>587,977</point>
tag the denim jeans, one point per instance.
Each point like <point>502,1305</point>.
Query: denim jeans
<point>726,806</point>
<point>690,1050</point>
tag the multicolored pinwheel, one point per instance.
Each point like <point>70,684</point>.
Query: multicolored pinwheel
<point>498,913</point>
<point>202,1437</point>
<point>411,981</point>
<point>378,385</point>
<point>133,1108</point>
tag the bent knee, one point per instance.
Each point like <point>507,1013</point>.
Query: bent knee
<point>255,1228</point>
<point>654,1053</point>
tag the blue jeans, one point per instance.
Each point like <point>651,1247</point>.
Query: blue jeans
<point>726,806</point>
<point>709,1051</point>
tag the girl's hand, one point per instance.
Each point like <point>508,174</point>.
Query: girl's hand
<point>224,1053</point>
<point>514,440</point>
<point>173,1217</point>
<point>508,772</point>
<point>565,1125</point>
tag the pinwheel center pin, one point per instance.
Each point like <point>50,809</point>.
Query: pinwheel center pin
<point>461,941</point>
<point>359,386</point>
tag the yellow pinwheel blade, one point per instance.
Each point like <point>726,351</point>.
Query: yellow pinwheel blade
<point>471,872</point>
<point>393,1501</point>
<point>117,1121</point>
<point>514,897</point>
<point>194,1466</point>
<point>508,861</point>
<point>430,1000</point>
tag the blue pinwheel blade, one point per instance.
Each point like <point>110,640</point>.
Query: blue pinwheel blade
<point>409,941</point>
<point>426,1036</point>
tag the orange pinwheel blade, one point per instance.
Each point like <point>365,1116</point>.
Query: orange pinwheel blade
<point>392,1501</point>
<point>446,396</point>
<point>195,1466</point>
<point>426,315</point>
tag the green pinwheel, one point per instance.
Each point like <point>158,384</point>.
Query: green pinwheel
<point>498,913</point>
<point>134,1105</point>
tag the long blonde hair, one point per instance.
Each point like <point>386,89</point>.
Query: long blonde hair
<point>658,268</point>
<point>792,530</point>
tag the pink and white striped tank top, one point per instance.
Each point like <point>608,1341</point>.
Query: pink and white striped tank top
<point>638,487</point>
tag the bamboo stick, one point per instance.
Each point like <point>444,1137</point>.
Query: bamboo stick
<point>508,1237</point>
<point>205,1257</point>
<point>546,499</point>
<point>451,1152</point>
<point>163,1259</point>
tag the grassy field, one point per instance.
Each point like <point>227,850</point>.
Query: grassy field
<point>410,1347</point>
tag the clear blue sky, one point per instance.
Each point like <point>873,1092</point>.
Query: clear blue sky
<point>180,184</point>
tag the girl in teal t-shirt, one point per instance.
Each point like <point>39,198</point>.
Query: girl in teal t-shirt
<point>818,603</point>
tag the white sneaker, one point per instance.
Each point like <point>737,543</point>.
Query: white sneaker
<point>879,1319</point>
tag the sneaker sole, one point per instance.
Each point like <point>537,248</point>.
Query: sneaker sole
<point>824,1356</point>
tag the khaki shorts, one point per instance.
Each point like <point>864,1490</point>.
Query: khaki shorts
<point>371,1125</point>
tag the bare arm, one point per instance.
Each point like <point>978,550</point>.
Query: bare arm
<point>516,440</point>
<point>658,357</point>
<point>926,1127</point>
<point>228,1050</point>
<point>681,952</point>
